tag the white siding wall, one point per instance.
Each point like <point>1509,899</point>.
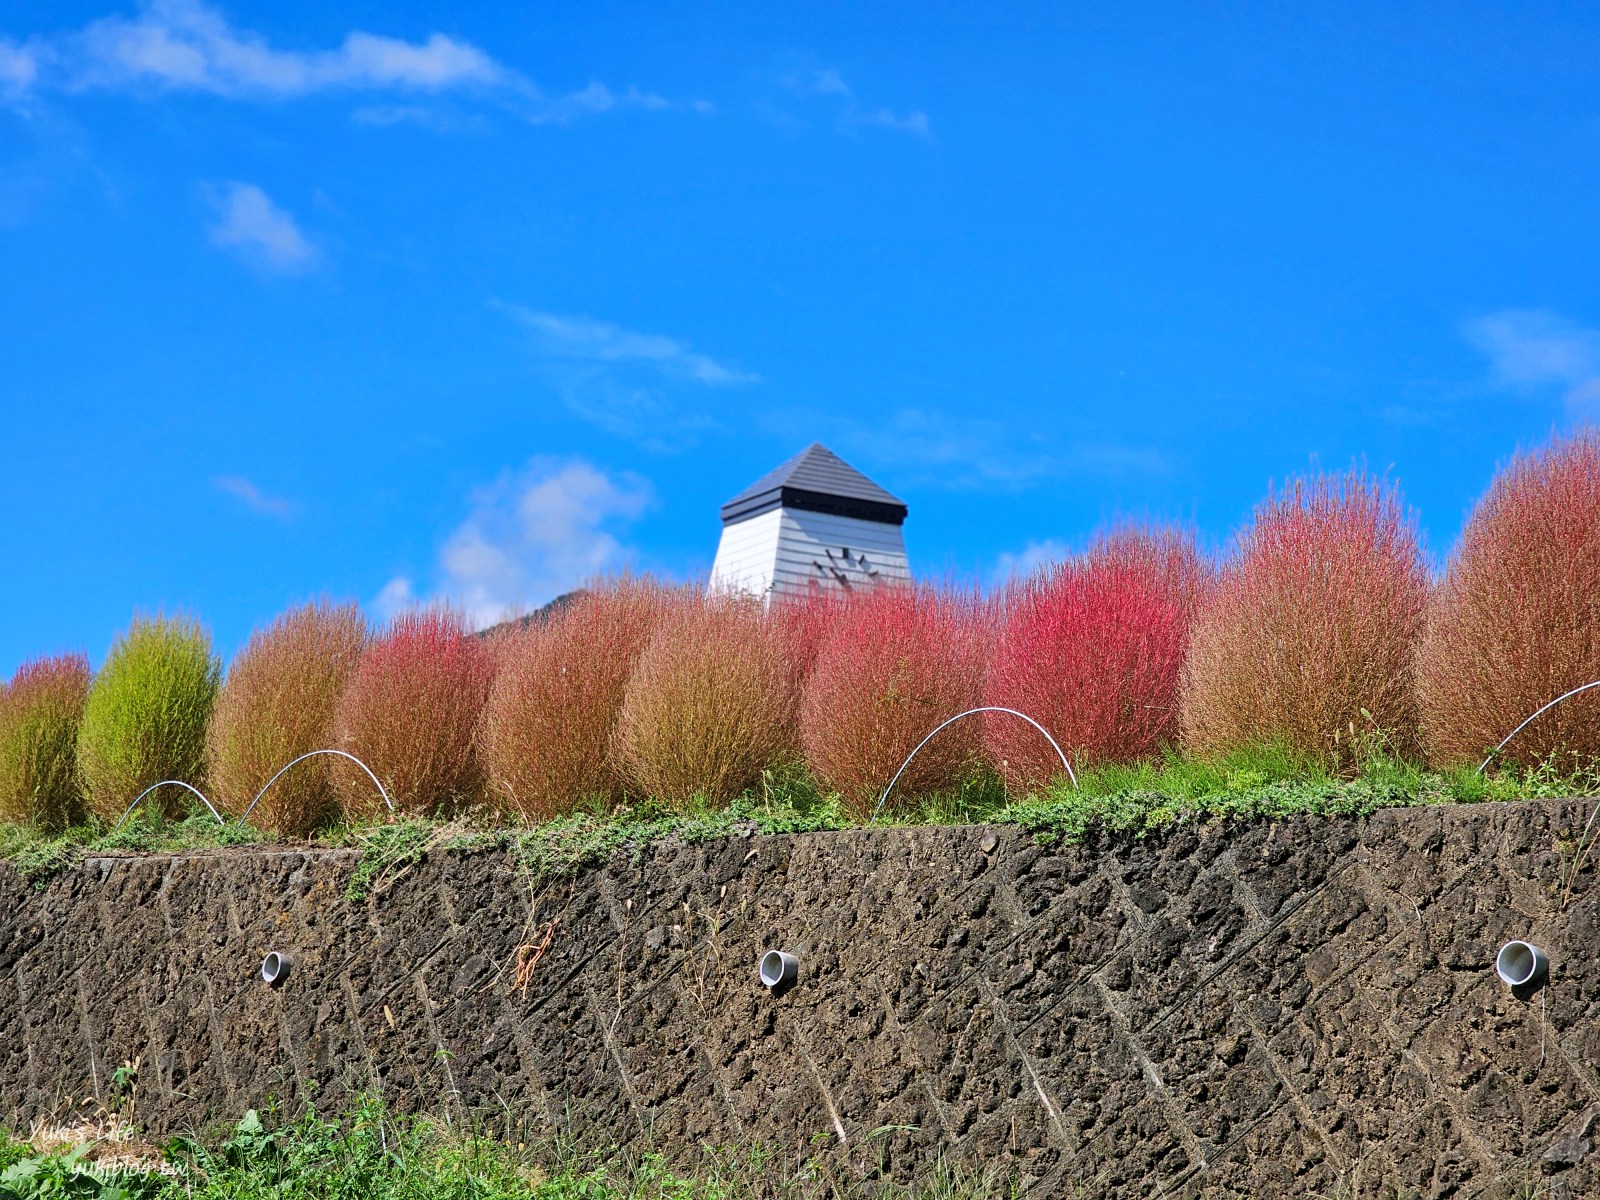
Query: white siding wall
<point>779,550</point>
<point>745,555</point>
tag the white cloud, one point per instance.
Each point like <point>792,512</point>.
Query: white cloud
<point>596,341</point>
<point>249,222</point>
<point>19,68</point>
<point>183,44</point>
<point>252,497</point>
<point>187,45</point>
<point>1531,349</point>
<point>825,88</point>
<point>530,536</point>
<point>631,384</point>
<point>914,122</point>
<point>1020,564</point>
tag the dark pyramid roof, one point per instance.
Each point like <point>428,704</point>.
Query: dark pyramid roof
<point>816,480</point>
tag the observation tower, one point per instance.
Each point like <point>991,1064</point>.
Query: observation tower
<point>815,521</point>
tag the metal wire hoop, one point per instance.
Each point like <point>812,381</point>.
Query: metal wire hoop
<point>312,754</point>
<point>988,708</point>
<point>188,787</point>
<point>1529,720</point>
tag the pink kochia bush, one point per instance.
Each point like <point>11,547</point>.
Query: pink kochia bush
<point>892,664</point>
<point>1516,621</point>
<point>710,704</point>
<point>410,712</point>
<point>39,714</point>
<point>1308,639</point>
<point>278,703</point>
<point>1092,649</point>
<point>549,727</point>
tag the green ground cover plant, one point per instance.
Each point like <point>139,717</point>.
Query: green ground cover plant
<point>371,1153</point>
<point>1264,782</point>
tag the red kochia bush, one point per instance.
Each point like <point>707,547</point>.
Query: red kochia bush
<point>410,712</point>
<point>40,710</point>
<point>1516,621</point>
<point>278,703</point>
<point>1092,649</point>
<point>710,704</point>
<point>552,714</point>
<point>1308,638</point>
<point>893,663</point>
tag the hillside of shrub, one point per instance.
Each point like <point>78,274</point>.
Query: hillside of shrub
<point>1318,643</point>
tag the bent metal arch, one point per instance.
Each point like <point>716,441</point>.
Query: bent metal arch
<point>1071,774</point>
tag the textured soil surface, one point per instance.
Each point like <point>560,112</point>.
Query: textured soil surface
<point>1291,1009</point>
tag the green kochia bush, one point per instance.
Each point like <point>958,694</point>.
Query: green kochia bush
<point>145,720</point>
<point>39,714</point>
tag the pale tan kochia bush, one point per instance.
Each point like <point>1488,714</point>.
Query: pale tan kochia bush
<point>549,727</point>
<point>276,704</point>
<point>894,663</point>
<point>145,719</point>
<point>1516,620</point>
<point>1308,639</point>
<point>40,710</point>
<point>410,712</point>
<point>710,703</point>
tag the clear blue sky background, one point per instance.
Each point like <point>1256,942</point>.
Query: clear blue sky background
<point>404,300</point>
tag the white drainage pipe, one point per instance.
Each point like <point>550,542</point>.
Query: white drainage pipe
<point>275,968</point>
<point>778,969</point>
<point>1520,964</point>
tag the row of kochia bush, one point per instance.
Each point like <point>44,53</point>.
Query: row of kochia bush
<point>1321,630</point>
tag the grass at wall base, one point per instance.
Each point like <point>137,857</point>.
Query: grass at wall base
<point>371,1153</point>
<point>1261,783</point>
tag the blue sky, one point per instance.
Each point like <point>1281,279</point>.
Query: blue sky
<point>411,300</point>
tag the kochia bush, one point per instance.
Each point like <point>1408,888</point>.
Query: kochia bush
<point>1516,621</point>
<point>710,704</point>
<point>549,727</point>
<point>278,703</point>
<point>145,718</point>
<point>1092,649</point>
<point>893,663</point>
<point>410,712</point>
<point>1308,638</point>
<point>40,710</point>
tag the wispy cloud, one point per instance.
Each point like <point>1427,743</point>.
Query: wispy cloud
<point>252,497</point>
<point>250,223</point>
<point>530,535</point>
<point>1535,349</point>
<point>825,88</point>
<point>597,341</point>
<point>189,46</point>
<point>19,69</point>
<point>1035,555</point>
<point>932,449</point>
<point>632,384</point>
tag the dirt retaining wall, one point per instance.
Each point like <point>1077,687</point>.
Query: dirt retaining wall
<point>1306,1007</point>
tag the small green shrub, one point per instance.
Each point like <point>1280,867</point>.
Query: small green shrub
<point>40,710</point>
<point>145,720</point>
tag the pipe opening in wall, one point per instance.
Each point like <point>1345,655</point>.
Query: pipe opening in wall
<point>275,968</point>
<point>1520,964</point>
<point>778,969</point>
